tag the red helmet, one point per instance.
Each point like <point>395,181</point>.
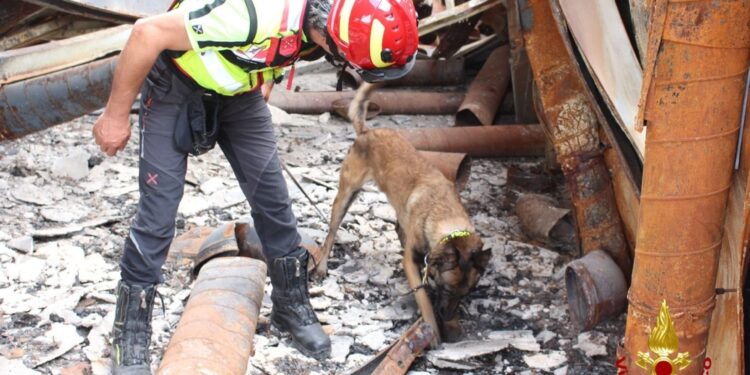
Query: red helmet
<point>378,37</point>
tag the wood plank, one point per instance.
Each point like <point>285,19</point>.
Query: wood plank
<point>725,342</point>
<point>726,337</point>
<point>601,37</point>
<point>448,17</point>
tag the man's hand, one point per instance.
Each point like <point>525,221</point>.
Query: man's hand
<point>111,133</point>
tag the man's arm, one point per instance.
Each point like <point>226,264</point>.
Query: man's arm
<point>150,36</point>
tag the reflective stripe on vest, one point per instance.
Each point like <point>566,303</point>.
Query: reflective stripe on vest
<point>231,72</point>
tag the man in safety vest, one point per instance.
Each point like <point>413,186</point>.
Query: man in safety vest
<point>208,66</point>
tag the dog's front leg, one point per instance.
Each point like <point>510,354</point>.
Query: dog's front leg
<point>415,281</point>
<point>352,177</point>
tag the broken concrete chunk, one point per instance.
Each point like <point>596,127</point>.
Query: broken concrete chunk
<point>65,337</point>
<point>498,340</point>
<point>15,367</point>
<point>64,212</point>
<point>29,193</point>
<point>340,347</point>
<point>212,185</point>
<point>74,228</point>
<point>592,343</point>
<point>546,361</point>
<point>374,340</point>
<point>24,244</point>
<point>75,165</point>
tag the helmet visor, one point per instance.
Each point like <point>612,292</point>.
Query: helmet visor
<point>387,74</point>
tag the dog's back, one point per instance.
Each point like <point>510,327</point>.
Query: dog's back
<point>393,160</point>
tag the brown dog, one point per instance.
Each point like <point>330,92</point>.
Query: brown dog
<point>432,224</point>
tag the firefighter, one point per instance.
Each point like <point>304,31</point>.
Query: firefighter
<point>208,67</point>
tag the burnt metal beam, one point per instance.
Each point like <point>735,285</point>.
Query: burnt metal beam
<point>39,103</point>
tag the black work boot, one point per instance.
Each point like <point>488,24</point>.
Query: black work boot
<point>291,305</point>
<point>131,334</point>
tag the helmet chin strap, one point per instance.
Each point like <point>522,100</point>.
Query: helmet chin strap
<point>335,59</point>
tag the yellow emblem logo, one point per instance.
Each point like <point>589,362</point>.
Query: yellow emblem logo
<point>663,342</point>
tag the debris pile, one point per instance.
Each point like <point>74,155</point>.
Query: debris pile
<point>52,286</point>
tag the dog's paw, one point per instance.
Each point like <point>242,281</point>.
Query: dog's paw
<point>319,272</point>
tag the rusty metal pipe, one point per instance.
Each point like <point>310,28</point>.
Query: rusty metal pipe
<point>39,103</point>
<point>390,102</point>
<point>455,166</point>
<point>480,141</point>
<point>431,72</point>
<point>487,90</point>
<point>695,70</point>
<point>596,289</point>
<point>572,126</point>
<point>216,330</point>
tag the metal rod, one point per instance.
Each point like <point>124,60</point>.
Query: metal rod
<point>315,206</point>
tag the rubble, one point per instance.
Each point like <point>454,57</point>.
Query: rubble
<point>75,165</point>
<point>546,361</point>
<point>592,343</point>
<point>77,228</point>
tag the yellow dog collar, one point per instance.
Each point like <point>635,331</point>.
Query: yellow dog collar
<point>453,235</point>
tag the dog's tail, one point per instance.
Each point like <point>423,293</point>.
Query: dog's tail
<point>358,107</point>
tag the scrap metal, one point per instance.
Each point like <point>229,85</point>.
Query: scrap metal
<point>480,141</point>
<point>486,91</point>
<point>571,124</point>
<point>694,80</point>
<point>24,63</point>
<point>216,330</point>
<point>38,103</point>
<point>426,72</point>
<point>398,357</point>
<point>540,218</point>
<point>108,10</point>
<point>390,102</point>
<point>596,289</point>
<point>458,13</point>
<point>455,166</point>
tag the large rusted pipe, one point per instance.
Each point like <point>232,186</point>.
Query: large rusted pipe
<point>480,141</point>
<point>429,72</point>
<point>35,104</point>
<point>216,330</point>
<point>455,166</point>
<point>698,57</point>
<point>596,289</point>
<point>571,125</point>
<point>487,90</point>
<point>390,102</point>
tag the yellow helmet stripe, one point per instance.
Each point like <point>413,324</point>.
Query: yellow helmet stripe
<point>376,44</point>
<point>346,12</point>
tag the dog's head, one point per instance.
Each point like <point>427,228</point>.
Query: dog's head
<point>455,265</point>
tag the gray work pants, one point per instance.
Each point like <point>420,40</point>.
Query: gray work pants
<point>248,142</point>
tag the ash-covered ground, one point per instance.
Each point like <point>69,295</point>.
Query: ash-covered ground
<point>66,208</point>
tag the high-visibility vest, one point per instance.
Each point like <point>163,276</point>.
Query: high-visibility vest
<point>274,41</point>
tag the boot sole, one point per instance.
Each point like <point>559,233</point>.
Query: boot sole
<point>320,355</point>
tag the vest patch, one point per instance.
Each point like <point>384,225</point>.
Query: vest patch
<point>198,29</point>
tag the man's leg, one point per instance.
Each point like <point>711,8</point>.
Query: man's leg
<point>249,143</point>
<point>161,179</point>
